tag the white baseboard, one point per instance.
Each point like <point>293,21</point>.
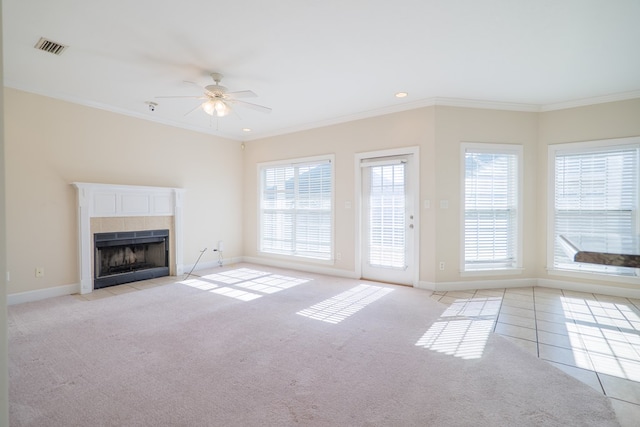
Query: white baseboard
<point>429,286</point>
<point>57,291</point>
<point>329,271</point>
<point>590,287</point>
<point>482,284</point>
<point>209,265</point>
<point>40,294</point>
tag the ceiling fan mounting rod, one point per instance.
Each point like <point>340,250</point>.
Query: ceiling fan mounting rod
<point>217,77</point>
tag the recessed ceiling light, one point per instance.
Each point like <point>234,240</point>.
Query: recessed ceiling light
<point>401,94</point>
<point>246,130</point>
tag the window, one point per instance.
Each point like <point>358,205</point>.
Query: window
<point>594,200</point>
<point>491,206</point>
<point>296,208</point>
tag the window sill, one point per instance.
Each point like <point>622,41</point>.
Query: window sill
<point>492,272</point>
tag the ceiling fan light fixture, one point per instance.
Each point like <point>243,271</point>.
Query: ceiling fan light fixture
<point>209,107</point>
<point>222,109</point>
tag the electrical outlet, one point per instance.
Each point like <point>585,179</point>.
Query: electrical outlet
<point>39,271</point>
<point>338,256</point>
<point>441,265</point>
<point>220,245</point>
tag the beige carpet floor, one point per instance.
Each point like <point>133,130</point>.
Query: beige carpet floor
<point>256,346</point>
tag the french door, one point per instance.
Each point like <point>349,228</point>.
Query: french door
<point>388,223</point>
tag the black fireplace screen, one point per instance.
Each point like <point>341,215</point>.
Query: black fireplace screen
<point>130,256</point>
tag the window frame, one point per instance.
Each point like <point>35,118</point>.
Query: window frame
<point>584,147</point>
<point>297,162</point>
<point>500,148</point>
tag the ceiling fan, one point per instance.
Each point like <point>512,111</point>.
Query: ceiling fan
<point>218,102</point>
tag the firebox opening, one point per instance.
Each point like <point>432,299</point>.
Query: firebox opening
<point>130,256</point>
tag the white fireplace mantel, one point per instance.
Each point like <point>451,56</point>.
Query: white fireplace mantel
<point>106,200</point>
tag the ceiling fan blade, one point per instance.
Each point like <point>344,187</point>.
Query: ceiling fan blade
<point>241,94</point>
<point>191,111</point>
<point>185,96</point>
<point>256,107</point>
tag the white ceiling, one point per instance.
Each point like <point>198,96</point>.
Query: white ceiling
<point>321,62</point>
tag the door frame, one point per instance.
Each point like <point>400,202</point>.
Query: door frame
<point>414,180</point>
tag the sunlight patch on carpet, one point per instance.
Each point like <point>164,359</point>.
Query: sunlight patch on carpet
<point>463,329</point>
<point>199,284</point>
<point>272,284</point>
<point>604,336</point>
<point>336,309</point>
<point>244,284</point>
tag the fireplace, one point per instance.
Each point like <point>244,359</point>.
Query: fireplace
<point>130,256</point>
<point>110,208</point>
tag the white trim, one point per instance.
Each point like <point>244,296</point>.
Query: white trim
<point>590,288</point>
<point>622,96</point>
<point>574,147</point>
<point>426,102</point>
<point>413,151</point>
<point>507,148</point>
<point>301,267</point>
<point>40,294</point>
<point>492,272</point>
<point>297,162</point>
<point>206,129</point>
<point>209,265</point>
<point>429,286</point>
<point>485,284</point>
<point>108,200</point>
<point>590,276</point>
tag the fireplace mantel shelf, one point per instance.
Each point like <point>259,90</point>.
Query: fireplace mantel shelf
<point>112,200</point>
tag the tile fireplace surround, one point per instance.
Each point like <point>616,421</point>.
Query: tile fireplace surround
<point>109,208</point>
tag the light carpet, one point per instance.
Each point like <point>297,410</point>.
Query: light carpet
<point>256,346</point>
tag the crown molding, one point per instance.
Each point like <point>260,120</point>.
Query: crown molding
<point>406,106</point>
<point>487,105</point>
<point>622,96</point>
<point>112,109</point>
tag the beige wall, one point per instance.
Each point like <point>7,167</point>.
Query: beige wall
<point>438,131</point>
<point>595,122</point>
<point>49,147</point>
<point>457,125</point>
<point>4,350</point>
<point>407,129</point>
<point>52,143</point>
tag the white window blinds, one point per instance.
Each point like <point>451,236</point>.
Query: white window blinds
<point>490,208</point>
<point>596,198</point>
<point>296,209</point>
<point>386,212</point>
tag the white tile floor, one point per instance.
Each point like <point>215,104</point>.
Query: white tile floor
<point>594,338</point>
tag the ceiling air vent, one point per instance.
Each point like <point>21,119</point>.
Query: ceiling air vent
<point>50,46</point>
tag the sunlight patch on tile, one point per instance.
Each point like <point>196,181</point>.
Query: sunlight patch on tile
<point>463,338</point>
<point>607,333</point>
<point>336,309</point>
<point>470,307</point>
<point>464,328</point>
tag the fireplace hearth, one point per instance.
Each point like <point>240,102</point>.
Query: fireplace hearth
<point>130,256</point>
